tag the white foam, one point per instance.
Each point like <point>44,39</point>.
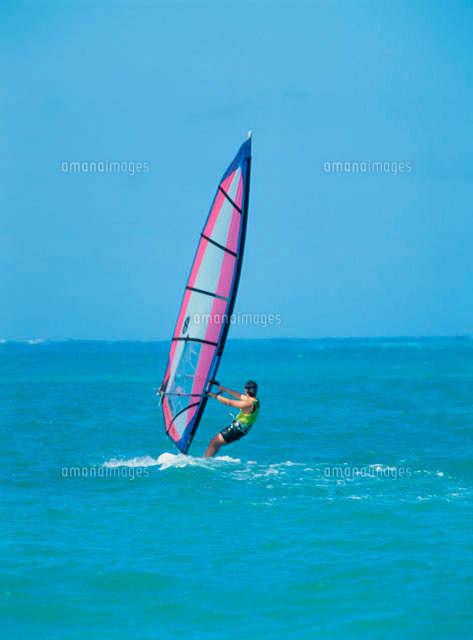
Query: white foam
<point>381,467</point>
<point>266,472</point>
<point>167,460</point>
<point>289,463</point>
<point>145,461</point>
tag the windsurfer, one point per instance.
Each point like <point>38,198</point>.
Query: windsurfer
<point>249,406</point>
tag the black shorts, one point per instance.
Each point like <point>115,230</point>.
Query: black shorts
<point>234,432</point>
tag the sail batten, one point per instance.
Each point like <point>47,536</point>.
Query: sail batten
<point>209,298</point>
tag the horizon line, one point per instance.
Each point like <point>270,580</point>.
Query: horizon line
<point>167,340</point>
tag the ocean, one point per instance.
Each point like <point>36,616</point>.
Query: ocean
<point>346,511</point>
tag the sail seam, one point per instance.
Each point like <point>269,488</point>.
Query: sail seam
<point>217,244</point>
<point>188,339</point>
<point>207,293</point>
<point>229,199</point>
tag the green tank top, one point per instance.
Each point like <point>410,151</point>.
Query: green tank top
<point>248,419</point>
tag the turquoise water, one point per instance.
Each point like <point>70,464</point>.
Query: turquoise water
<point>346,511</point>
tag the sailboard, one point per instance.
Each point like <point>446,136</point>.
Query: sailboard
<point>205,313</point>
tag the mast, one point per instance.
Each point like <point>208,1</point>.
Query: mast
<point>241,247</point>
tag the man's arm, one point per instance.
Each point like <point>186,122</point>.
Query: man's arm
<point>235,394</point>
<point>238,404</point>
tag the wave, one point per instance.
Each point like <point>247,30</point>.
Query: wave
<point>364,482</point>
<point>144,461</point>
<point>167,460</point>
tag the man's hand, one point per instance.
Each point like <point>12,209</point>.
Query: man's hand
<point>221,389</point>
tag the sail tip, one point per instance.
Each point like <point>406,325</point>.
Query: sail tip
<point>250,133</point>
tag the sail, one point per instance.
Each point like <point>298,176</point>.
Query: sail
<point>204,317</point>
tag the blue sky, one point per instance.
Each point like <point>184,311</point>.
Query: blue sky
<point>177,85</point>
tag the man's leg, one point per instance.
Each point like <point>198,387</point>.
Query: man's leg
<point>214,445</point>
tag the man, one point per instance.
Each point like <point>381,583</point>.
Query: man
<point>249,409</point>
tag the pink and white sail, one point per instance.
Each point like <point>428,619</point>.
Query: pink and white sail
<point>204,317</point>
